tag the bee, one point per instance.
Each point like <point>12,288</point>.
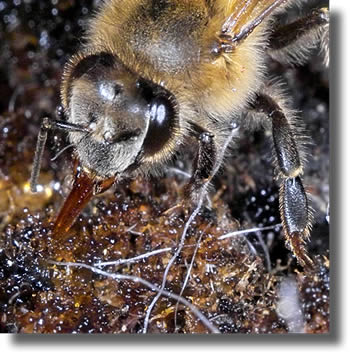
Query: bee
<point>154,76</point>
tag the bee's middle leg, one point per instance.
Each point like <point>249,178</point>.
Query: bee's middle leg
<point>294,206</point>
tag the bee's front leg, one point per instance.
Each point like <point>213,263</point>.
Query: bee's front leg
<point>203,171</point>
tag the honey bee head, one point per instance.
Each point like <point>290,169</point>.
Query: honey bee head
<point>128,118</point>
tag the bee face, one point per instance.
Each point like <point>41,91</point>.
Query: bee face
<point>122,113</point>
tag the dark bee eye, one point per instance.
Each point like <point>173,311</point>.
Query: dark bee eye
<point>161,124</point>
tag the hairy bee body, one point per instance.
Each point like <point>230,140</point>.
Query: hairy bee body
<point>170,43</point>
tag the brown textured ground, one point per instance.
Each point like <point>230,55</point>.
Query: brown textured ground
<point>230,282</point>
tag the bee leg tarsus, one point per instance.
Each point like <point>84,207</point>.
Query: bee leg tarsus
<point>294,203</point>
<point>295,218</point>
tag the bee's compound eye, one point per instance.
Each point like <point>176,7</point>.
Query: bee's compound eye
<point>161,126</point>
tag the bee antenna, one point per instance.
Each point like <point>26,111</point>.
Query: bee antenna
<point>46,125</point>
<point>39,151</point>
<point>247,30</point>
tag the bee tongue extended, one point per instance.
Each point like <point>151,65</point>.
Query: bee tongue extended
<point>84,188</point>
